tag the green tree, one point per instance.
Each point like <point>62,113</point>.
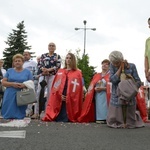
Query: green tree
<point>87,70</point>
<point>17,43</point>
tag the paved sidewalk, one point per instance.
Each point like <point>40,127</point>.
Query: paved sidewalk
<point>75,136</point>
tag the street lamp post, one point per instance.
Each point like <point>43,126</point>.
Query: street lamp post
<point>85,33</point>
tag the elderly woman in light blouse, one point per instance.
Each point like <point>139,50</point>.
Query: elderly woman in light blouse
<point>118,117</point>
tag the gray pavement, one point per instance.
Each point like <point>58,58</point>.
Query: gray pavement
<point>75,136</point>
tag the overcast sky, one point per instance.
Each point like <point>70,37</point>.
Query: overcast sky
<point>120,25</point>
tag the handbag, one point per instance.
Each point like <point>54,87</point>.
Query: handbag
<point>25,97</point>
<point>127,88</point>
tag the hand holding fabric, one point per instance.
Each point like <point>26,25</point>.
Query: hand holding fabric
<point>63,97</point>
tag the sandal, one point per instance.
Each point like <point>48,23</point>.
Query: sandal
<point>35,116</point>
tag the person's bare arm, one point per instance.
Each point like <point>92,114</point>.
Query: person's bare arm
<point>146,66</point>
<point>12,84</point>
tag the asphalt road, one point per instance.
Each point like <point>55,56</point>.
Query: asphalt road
<point>75,136</point>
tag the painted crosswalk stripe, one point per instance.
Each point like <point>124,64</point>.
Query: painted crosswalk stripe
<point>13,134</point>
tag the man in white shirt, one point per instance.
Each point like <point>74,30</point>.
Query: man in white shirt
<point>30,65</point>
<point>2,74</point>
<point>3,71</point>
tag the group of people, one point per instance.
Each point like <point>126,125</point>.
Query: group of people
<point>104,102</point>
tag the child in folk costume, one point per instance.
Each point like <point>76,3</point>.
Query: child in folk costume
<point>97,98</point>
